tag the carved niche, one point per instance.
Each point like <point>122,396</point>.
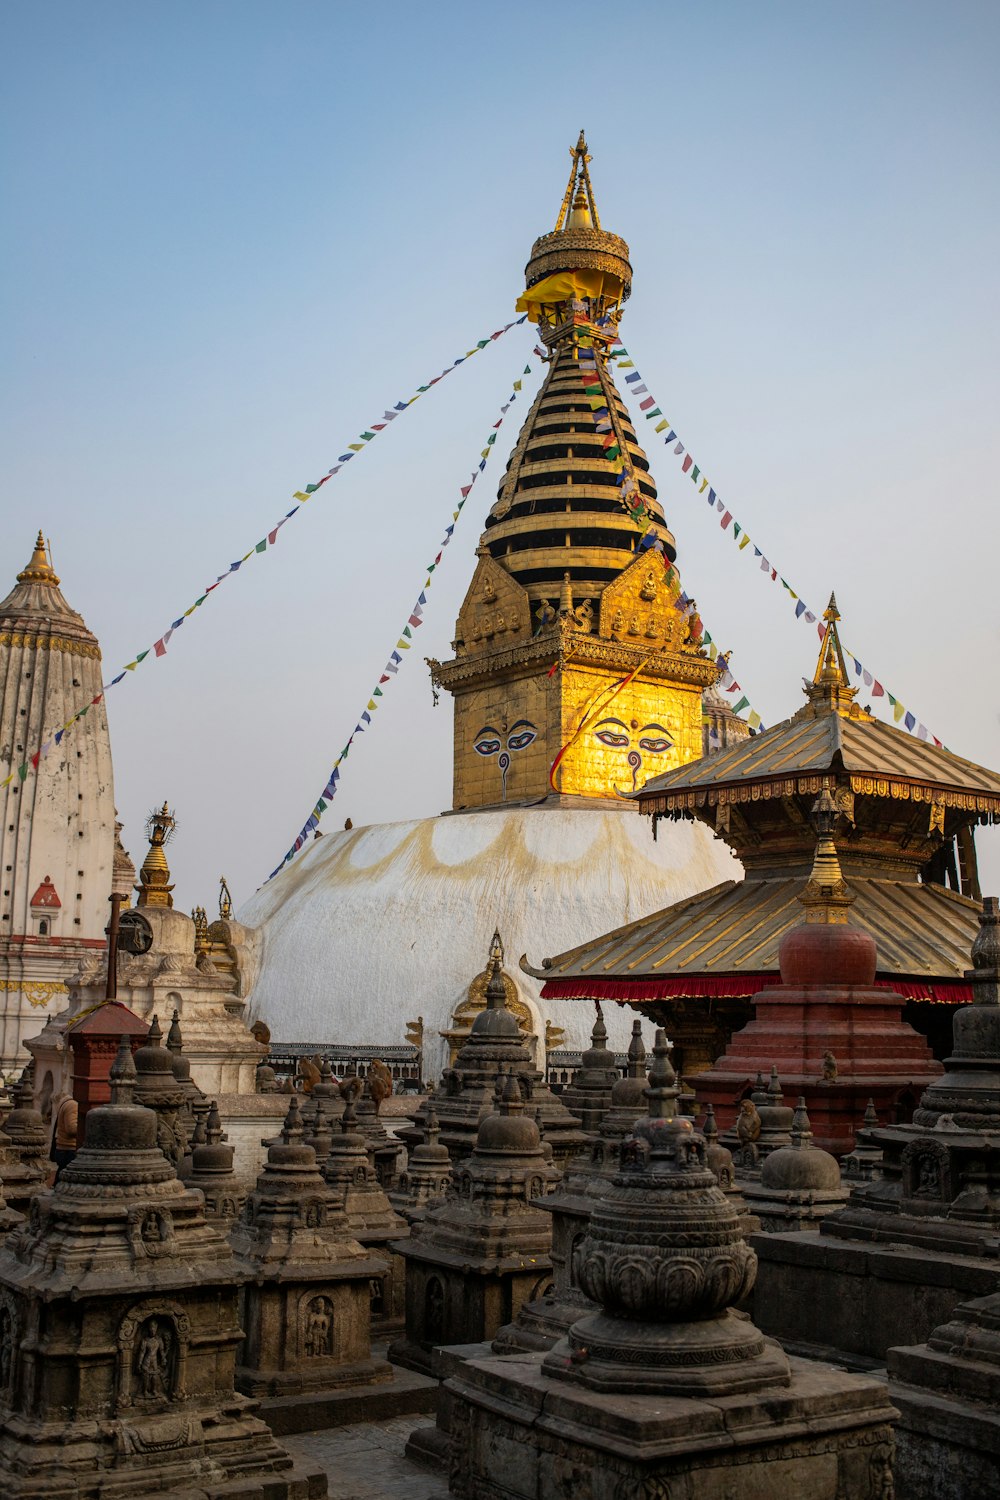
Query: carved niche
<point>495,611</point>
<point>926,1167</point>
<point>153,1340</point>
<point>639,605</point>
<point>317,1327</point>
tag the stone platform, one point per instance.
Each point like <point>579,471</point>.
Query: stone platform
<point>407,1394</point>
<point>521,1435</point>
<point>366,1462</point>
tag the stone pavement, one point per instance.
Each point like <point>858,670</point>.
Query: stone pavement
<point>366,1462</point>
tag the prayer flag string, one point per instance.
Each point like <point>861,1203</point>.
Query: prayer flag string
<point>268,541</point>
<point>741,537</point>
<point>403,643</point>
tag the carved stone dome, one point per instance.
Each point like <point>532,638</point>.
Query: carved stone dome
<point>511,1132</point>
<point>800,1169</point>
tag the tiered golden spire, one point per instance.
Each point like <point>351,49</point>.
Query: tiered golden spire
<point>39,569</point>
<point>831,688</point>
<point>154,878</point>
<point>584,211</point>
<point>826,897</point>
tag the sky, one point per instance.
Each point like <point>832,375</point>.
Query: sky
<point>237,231</point>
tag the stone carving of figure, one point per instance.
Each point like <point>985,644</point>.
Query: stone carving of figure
<point>151,1229</point>
<point>633,625</point>
<point>829,1068</point>
<point>489,592</point>
<point>319,1328</point>
<point>618,621</point>
<point>929,1179</point>
<point>648,590</point>
<point>153,1361</point>
<point>652,630</point>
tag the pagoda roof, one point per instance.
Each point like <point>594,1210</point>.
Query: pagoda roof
<point>724,942</point>
<point>811,744</point>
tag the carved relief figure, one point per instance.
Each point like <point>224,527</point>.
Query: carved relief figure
<point>584,615</point>
<point>153,1360</point>
<point>489,592</point>
<point>319,1328</point>
<point>648,590</point>
<point>928,1184</point>
<point>633,625</point>
<point>618,622</point>
<point>652,629</point>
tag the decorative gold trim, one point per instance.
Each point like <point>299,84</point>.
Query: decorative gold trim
<point>866,786</point>
<point>49,643</point>
<point>35,991</point>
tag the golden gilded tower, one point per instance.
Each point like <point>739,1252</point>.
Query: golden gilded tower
<point>578,669</point>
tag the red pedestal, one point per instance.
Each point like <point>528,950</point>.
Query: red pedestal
<point>826,1003</point>
<point>94,1041</point>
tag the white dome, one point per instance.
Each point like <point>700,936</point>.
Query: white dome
<point>371,927</point>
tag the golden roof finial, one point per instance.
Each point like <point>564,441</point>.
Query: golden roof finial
<point>566,598</point>
<point>584,210</point>
<point>831,685</point>
<point>39,569</point>
<point>154,878</point>
<point>826,897</point>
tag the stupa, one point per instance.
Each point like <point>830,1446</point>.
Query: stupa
<point>426,1176</point>
<point>475,1257</point>
<point>799,1184</point>
<point>306,1303</point>
<point>118,1334</point>
<point>665,1389</point>
<point>588,1094</point>
<point>575,675</point>
<point>371,1218</point>
<point>495,1047</point>
<point>549,1317</point>
<point>921,1236</point>
<point>905,816</point>
<point>57,821</point>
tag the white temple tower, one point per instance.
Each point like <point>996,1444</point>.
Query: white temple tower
<point>57,833</point>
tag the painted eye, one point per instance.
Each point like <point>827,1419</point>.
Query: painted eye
<point>655,746</point>
<point>487,747</point>
<point>522,740</point>
<point>608,737</point>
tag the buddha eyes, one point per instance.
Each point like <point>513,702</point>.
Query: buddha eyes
<point>609,737</point>
<point>655,746</point>
<point>653,737</point>
<point>489,741</point>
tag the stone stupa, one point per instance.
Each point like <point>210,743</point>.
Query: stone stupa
<point>665,1390</point>
<point>118,1334</point>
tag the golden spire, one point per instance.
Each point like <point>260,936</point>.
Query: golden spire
<point>826,897</point>
<point>39,569</point>
<point>154,878</point>
<point>584,212</point>
<point>831,686</point>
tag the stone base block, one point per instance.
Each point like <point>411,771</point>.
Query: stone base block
<point>403,1393</point>
<point>946,1448</point>
<point>265,1384</point>
<point>860,1297</point>
<point>519,1434</point>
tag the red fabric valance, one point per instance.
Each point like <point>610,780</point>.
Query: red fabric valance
<point>734,987</point>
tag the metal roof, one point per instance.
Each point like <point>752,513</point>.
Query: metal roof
<point>813,744</point>
<point>923,932</point>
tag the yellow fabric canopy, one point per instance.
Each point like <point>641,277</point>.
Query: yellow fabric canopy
<point>564,286</point>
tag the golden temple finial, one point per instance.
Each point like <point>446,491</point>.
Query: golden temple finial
<point>826,897</point>
<point>154,878</point>
<point>831,685</point>
<point>566,598</point>
<point>39,569</point>
<point>579,192</point>
<point>226,900</point>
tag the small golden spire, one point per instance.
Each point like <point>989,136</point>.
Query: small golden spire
<point>154,878</point>
<point>584,211</point>
<point>39,569</point>
<point>566,598</point>
<point>826,897</point>
<point>831,685</point>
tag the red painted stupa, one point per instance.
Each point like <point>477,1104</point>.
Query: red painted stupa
<point>835,1038</point>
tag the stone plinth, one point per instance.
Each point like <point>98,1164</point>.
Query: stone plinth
<point>306,1305</point>
<point>518,1435</point>
<point>836,1039</point>
<point>118,1334</point>
<point>473,1259</point>
<point>947,1392</point>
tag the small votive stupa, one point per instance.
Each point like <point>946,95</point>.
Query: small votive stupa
<point>666,1390</point>
<point>118,1334</point>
